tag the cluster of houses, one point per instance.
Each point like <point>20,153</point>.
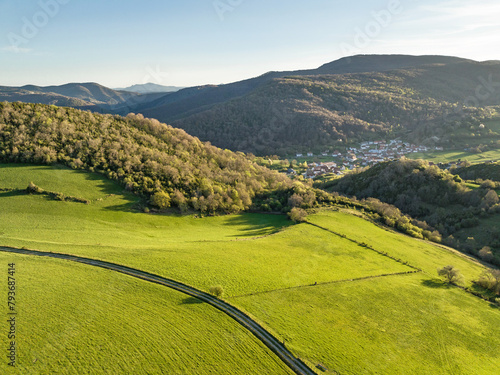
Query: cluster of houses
<point>367,154</point>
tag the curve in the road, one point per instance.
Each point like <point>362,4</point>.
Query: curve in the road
<point>295,364</point>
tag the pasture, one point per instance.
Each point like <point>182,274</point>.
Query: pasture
<point>333,301</point>
<point>78,319</point>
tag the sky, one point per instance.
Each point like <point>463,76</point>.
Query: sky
<point>118,43</point>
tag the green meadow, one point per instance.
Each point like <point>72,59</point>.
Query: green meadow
<point>421,254</point>
<point>396,324</point>
<point>407,324</point>
<point>245,253</point>
<point>333,301</point>
<point>455,155</point>
<point>78,319</point>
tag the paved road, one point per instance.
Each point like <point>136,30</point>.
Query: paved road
<point>269,340</point>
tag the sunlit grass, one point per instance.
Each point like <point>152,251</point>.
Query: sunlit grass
<point>78,319</point>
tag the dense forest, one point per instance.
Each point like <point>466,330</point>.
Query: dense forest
<point>147,157</point>
<point>429,194</point>
<point>315,113</point>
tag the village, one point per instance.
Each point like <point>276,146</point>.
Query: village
<point>367,154</point>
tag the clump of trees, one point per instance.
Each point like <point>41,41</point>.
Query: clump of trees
<point>490,279</point>
<point>483,173</point>
<point>298,215</point>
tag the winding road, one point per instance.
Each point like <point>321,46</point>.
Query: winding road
<point>295,364</point>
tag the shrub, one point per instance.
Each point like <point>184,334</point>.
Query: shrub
<point>217,291</point>
<point>486,254</point>
<point>298,215</point>
<point>490,280</point>
<point>160,200</point>
<point>33,189</point>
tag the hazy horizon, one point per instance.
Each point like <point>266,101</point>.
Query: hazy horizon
<point>122,43</point>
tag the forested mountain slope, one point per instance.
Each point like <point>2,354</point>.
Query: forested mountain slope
<point>198,99</point>
<point>296,114</point>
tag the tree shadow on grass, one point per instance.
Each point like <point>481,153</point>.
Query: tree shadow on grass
<point>435,284</point>
<point>12,193</point>
<point>255,225</point>
<point>191,301</point>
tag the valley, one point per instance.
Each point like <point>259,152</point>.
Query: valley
<point>295,222</point>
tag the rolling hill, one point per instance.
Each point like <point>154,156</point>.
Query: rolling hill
<point>198,99</point>
<point>299,114</point>
<point>155,160</point>
<point>437,197</point>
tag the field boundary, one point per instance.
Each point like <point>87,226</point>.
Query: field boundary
<point>329,282</point>
<point>365,245</point>
<point>278,348</point>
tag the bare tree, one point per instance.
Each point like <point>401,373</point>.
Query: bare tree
<point>451,274</point>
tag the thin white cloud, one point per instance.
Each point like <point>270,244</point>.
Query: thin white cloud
<point>453,14</point>
<point>460,9</point>
<point>14,49</point>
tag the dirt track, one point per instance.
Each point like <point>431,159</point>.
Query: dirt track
<point>295,364</point>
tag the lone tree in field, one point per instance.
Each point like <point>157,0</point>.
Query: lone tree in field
<point>451,274</point>
<point>217,291</point>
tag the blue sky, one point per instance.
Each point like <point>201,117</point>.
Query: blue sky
<point>191,42</point>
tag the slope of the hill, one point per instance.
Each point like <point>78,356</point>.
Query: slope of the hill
<point>197,99</point>
<point>144,155</point>
<point>298,114</point>
<point>99,322</point>
<point>323,287</point>
<point>427,193</point>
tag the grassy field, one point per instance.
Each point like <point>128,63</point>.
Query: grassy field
<point>333,301</point>
<point>394,325</point>
<point>399,324</point>
<point>449,156</point>
<point>201,252</point>
<point>78,319</point>
<point>420,254</point>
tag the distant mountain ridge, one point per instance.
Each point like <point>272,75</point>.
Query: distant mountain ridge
<point>148,88</point>
<point>77,95</point>
<point>90,92</point>
<point>415,97</point>
<point>196,99</point>
<point>430,104</point>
